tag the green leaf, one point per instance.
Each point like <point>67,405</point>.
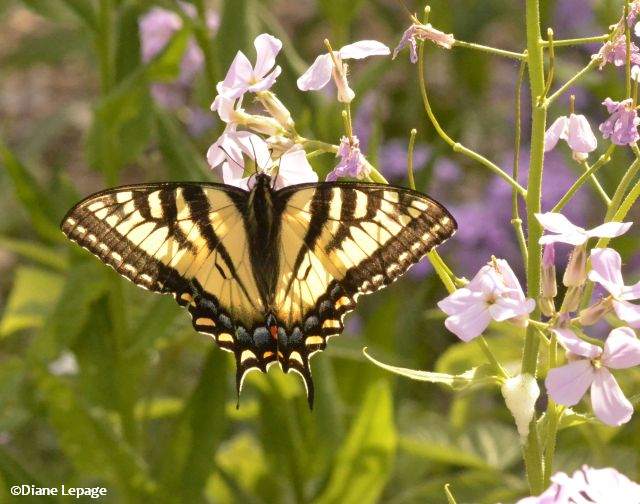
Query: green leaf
<point>91,442</point>
<point>190,459</point>
<point>364,463</point>
<point>33,198</point>
<point>184,161</point>
<point>34,251</point>
<point>122,122</point>
<point>14,473</point>
<point>459,357</point>
<point>233,34</point>
<point>32,297</point>
<point>127,58</point>
<point>72,310</point>
<point>477,376</point>
<point>485,445</point>
<point>84,10</point>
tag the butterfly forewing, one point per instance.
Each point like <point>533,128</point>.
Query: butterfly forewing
<point>350,239</point>
<point>188,240</point>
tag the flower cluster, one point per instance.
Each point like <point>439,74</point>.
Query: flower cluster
<point>495,294</point>
<point>588,486</point>
<point>267,141</point>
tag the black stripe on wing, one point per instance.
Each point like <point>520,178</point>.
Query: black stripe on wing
<point>405,225</point>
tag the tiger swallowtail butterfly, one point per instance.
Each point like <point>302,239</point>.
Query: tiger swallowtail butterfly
<point>269,274</point>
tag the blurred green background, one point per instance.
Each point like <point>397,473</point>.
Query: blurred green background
<point>104,384</point>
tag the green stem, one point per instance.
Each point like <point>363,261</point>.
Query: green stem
<point>486,349</point>
<point>104,45</point>
<point>562,89</point>
<point>597,187</point>
<point>457,147</point>
<point>576,41</point>
<point>583,178</point>
<point>412,142</point>
<point>552,418</point>
<point>627,63</point>
<point>203,37</point>
<point>532,454</point>
<point>620,191</point>
<point>487,49</point>
<point>442,270</point>
<point>515,211</point>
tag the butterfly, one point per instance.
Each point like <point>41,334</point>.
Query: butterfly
<point>269,274</point>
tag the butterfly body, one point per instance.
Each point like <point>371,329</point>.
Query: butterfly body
<point>269,274</point>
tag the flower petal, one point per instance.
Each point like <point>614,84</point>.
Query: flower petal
<point>556,131</point>
<point>266,82</point>
<point>459,301</point>
<point>508,276</point>
<point>572,239</point>
<point>317,75</point>
<point>607,400</point>
<point>630,292</point>
<point>469,323</point>
<point>605,269</point>
<point>575,345</point>
<point>507,308</point>
<point>294,168</point>
<point>255,148</point>
<point>267,48</point>
<point>557,223</point>
<point>238,75</point>
<point>628,312</point>
<point>622,349</point>
<point>567,384</point>
<point>363,49</point>
<point>579,136</point>
<point>232,175</point>
<point>609,230</point>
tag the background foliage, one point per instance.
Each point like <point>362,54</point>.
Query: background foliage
<point>104,384</point>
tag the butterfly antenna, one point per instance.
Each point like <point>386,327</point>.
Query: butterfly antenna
<point>230,158</point>
<point>406,9</point>
<point>255,157</point>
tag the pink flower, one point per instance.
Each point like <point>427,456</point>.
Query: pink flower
<point>156,29</point>
<point>606,270</point>
<point>319,73</point>
<point>575,130</point>
<point>493,294</point>
<point>422,32</point>
<point>233,147</point>
<point>622,125</point>
<point>567,384</point>
<point>352,162</point>
<point>588,486</point>
<point>615,52</point>
<point>243,77</point>
<point>566,232</point>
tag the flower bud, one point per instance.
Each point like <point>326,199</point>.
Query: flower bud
<point>576,272</point>
<point>572,299</point>
<point>547,306</point>
<point>595,312</point>
<point>279,145</point>
<point>277,109</point>
<point>520,395</point>
<point>549,287</point>
<point>345,93</point>
<point>260,124</point>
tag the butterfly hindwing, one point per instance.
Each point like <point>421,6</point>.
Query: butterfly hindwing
<point>352,239</point>
<point>188,240</point>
